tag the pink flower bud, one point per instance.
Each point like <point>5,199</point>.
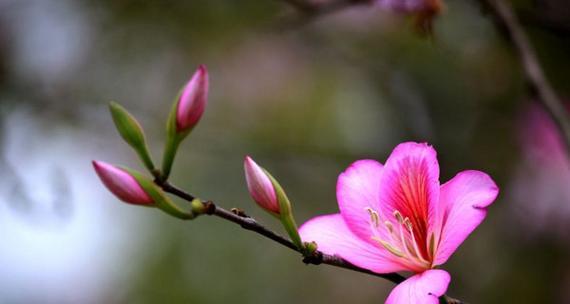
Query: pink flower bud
<point>260,186</point>
<point>192,100</point>
<point>122,184</point>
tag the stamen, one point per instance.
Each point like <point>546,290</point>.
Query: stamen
<point>417,251</point>
<point>389,226</point>
<point>400,243</point>
<point>374,217</point>
<point>402,237</point>
<point>407,223</point>
<point>398,216</point>
<point>389,247</point>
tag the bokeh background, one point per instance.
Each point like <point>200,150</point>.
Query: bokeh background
<point>305,101</point>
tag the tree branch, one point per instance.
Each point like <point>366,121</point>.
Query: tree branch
<point>507,23</point>
<point>249,223</point>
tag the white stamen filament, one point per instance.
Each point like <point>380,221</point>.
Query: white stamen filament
<point>402,239</point>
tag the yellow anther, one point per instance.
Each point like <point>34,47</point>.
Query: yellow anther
<point>407,223</point>
<point>373,216</point>
<point>398,216</point>
<point>389,226</point>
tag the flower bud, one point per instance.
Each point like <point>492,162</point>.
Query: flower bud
<point>260,186</point>
<point>134,188</point>
<point>185,114</point>
<point>123,185</point>
<point>192,100</point>
<point>269,195</point>
<point>131,132</point>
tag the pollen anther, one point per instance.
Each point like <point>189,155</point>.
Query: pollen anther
<point>374,217</point>
<point>389,226</point>
<point>398,216</point>
<point>408,223</point>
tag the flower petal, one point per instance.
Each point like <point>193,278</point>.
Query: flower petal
<point>333,237</point>
<point>422,288</point>
<point>410,185</point>
<point>357,189</point>
<point>464,198</point>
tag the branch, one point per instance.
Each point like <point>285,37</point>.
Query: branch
<point>507,23</point>
<point>317,258</point>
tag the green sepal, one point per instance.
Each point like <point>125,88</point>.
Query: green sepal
<point>132,132</point>
<point>286,213</point>
<point>173,139</point>
<point>160,199</point>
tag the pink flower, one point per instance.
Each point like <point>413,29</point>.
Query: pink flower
<point>539,186</point>
<point>398,217</point>
<point>260,186</point>
<point>540,138</point>
<point>122,184</point>
<point>192,100</point>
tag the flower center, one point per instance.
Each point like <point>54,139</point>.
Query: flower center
<point>397,236</point>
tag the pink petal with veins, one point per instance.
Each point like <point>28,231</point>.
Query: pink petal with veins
<point>465,199</point>
<point>410,185</point>
<point>333,237</point>
<point>358,188</point>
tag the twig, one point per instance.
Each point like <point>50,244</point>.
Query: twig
<point>506,21</point>
<point>251,224</point>
<point>315,258</point>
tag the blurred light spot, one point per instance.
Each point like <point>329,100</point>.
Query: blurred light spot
<point>51,38</point>
<point>67,241</point>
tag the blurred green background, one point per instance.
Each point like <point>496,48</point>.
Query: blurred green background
<point>305,102</point>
